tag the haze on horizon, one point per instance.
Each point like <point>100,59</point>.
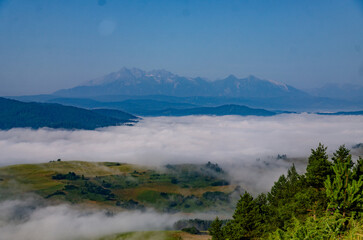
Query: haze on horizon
<point>49,45</point>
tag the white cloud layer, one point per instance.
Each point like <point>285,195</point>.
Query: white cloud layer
<point>228,139</point>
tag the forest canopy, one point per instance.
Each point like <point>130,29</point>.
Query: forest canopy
<point>324,203</point>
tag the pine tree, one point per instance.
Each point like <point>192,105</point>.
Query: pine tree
<point>293,180</point>
<point>264,214</point>
<point>344,192</point>
<point>282,200</point>
<point>215,230</point>
<point>358,175</point>
<point>343,154</point>
<point>317,171</point>
<point>246,219</point>
<point>278,191</point>
<point>319,168</point>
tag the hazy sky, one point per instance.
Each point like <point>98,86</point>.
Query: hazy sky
<point>48,45</point>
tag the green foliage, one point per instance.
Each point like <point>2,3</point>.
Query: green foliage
<point>284,199</point>
<point>310,201</point>
<point>191,230</point>
<point>344,192</point>
<point>325,203</point>
<point>215,230</point>
<point>68,176</point>
<point>248,219</point>
<point>358,169</point>
<point>343,155</point>
<point>318,167</point>
<point>323,228</point>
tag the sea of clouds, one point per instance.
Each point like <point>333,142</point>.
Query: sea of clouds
<point>193,139</point>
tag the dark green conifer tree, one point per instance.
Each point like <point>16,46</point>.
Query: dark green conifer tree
<point>282,198</point>
<point>317,171</point>
<point>343,154</point>
<point>246,219</point>
<point>215,230</point>
<point>318,167</point>
<point>343,191</point>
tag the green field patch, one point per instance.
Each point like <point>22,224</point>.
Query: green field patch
<point>171,189</point>
<point>149,196</point>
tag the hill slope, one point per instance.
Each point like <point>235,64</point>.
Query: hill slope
<point>172,188</point>
<point>15,114</point>
<point>223,110</point>
<point>134,106</point>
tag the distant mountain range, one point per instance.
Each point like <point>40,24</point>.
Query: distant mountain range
<point>152,93</point>
<point>116,98</point>
<point>14,114</point>
<point>136,82</point>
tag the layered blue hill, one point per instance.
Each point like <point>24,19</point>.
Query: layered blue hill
<point>16,114</point>
<point>223,110</point>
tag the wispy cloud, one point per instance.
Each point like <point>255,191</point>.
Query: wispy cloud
<point>68,222</point>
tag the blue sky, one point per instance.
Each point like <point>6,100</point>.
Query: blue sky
<point>48,45</point>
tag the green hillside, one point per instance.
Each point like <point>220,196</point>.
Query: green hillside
<point>172,188</point>
<point>16,114</point>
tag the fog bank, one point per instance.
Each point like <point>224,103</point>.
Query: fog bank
<point>25,220</point>
<point>227,139</point>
